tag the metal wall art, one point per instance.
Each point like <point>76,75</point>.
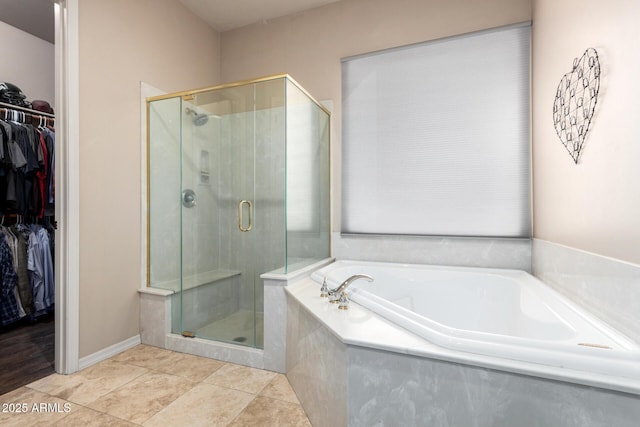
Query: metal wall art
<point>575,102</point>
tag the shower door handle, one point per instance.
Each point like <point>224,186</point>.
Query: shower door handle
<point>241,226</point>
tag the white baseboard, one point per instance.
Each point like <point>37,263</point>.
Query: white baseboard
<point>108,352</point>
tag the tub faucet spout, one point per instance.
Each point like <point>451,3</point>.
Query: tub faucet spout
<point>343,286</point>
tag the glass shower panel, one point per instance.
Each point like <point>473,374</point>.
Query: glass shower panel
<point>164,185</point>
<point>270,182</point>
<point>307,208</point>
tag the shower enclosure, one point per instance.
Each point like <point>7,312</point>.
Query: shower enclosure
<point>238,186</point>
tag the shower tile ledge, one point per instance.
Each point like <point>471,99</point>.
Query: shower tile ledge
<point>156,291</point>
<point>296,274</point>
<point>360,327</point>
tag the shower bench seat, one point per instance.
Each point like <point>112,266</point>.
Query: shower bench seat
<point>195,280</point>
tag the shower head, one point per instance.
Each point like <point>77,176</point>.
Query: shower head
<point>199,119</point>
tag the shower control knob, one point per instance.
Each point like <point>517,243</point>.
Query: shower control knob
<point>188,198</point>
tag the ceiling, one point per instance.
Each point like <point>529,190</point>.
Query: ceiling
<point>36,16</point>
<point>32,16</point>
<point>224,15</point>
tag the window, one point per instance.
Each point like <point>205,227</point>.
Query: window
<point>436,137</point>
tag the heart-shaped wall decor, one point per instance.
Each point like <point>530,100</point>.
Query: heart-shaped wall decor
<point>575,103</point>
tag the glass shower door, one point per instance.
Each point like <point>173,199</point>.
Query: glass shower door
<point>219,292</point>
<point>238,187</point>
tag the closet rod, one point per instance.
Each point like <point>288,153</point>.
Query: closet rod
<point>26,110</point>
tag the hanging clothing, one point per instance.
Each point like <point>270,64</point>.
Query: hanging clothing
<point>50,143</point>
<point>27,184</point>
<point>8,304</point>
<point>40,266</point>
<point>49,276</point>
<point>12,241</point>
<point>24,285</point>
<point>27,193</point>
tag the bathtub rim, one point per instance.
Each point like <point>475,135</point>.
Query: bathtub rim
<point>622,342</point>
<point>382,334</point>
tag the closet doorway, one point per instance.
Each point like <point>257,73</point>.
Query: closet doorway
<point>27,238</point>
<point>27,195</point>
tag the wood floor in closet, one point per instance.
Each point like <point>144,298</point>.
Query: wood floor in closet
<point>26,353</point>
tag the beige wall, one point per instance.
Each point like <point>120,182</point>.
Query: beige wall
<point>33,72</point>
<point>595,205</point>
<point>590,206</point>
<point>122,43</point>
<point>309,45</point>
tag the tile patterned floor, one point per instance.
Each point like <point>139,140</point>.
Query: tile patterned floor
<point>150,386</point>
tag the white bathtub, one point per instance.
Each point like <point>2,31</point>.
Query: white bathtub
<point>492,312</point>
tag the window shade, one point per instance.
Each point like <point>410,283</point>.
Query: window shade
<point>436,137</point>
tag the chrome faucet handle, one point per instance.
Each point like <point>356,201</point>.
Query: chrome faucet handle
<point>324,290</point>
<point>343,302</point>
